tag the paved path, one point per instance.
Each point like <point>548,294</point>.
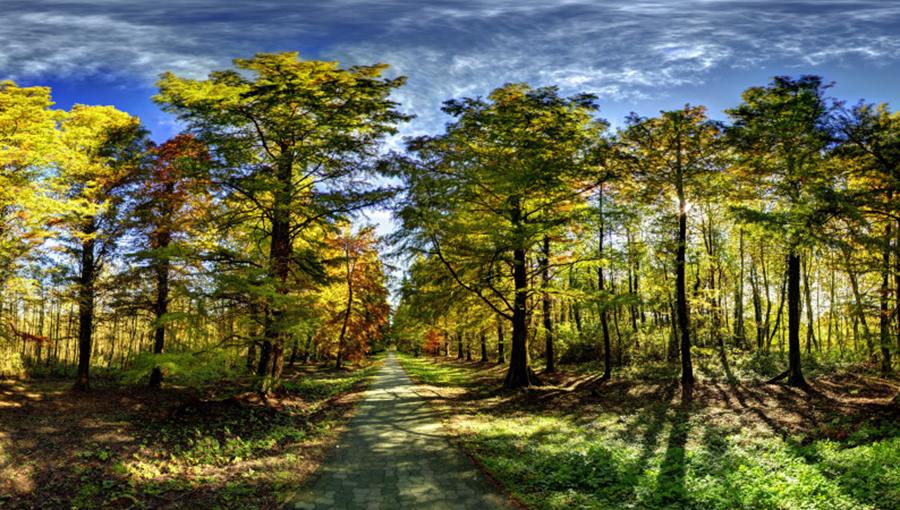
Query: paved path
<point>396,454</point>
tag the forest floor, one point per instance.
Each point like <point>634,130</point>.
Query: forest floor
<point>581,442</point>
<point>127,447</point>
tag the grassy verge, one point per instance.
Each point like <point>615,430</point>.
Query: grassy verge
<point>175,448</point>
<point>584,443</point>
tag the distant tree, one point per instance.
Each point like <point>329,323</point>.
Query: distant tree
<point>355,305</point>
<point>295,142</point>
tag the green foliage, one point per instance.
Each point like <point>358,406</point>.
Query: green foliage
<point>196,370</point>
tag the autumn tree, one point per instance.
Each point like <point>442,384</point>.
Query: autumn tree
<point>169,204</point>
<point>781,132</point>
<point>295,142</point>
<point>100,150</point>
<point>509,170</point>
<point>27,135</point>
<point>354,306</point>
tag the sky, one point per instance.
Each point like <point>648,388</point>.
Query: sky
<point>641,56</point>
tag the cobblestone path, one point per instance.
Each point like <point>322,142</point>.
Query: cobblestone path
<point>395,455</point>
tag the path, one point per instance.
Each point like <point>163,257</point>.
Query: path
<point>396,454</point>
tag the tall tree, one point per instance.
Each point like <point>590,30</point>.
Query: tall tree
<point>781,132</point>
<point>871,150</point>
<point>170,199</point>
<point>101,149</point>
<point>509,170</point>
<point>669,160</point>
<point>295,141</point>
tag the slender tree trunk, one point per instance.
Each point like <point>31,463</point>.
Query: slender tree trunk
<point>810,319</point>
<point>468,349</point>
<point>484,354</point>
<point>601,283</point>
<point>340,351</point>
<point>459,353</point>
<point>545,301</point>
<point>86,310</point>
<point>739,334</point>
<point>501,356</point>
<point>682,312</point>
<point>885,312</point>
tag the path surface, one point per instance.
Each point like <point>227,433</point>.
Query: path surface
<point>396,454</point>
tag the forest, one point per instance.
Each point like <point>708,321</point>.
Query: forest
<point>679,250</point>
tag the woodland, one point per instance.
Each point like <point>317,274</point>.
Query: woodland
<point>226,284</point>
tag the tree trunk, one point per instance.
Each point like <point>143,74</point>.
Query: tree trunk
<point>520,374</point>
<point>795,375</point>
<point>161,307</point>
<point>545,301</point>
<point>687,369</point>
<point>885,312</point>
<point>460,354</point>
<point>484,354</point>
<point>86,310</point>
<point>501,356</point>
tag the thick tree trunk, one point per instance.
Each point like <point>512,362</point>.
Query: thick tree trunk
<point>520,374</point>
<point>161,307</point>
<point>280,254</point>
<point>795,372</point>
<point>545,302</point>
<point>86,310</point>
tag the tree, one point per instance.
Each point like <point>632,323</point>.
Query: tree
<point>27,128</point>
<point>295,141</point>
<point>509,170</point>
<point>355,306</point>
<point>169,199</point>
<point>781,134</point>
<point>100,151</point>
<point>669,160</point>
<point>871,150</point>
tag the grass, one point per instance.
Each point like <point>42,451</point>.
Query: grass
<point>580,442</point>
<point>128,447</point>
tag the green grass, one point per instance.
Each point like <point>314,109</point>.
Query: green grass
<point>424,369</point>
<point>668,455</point>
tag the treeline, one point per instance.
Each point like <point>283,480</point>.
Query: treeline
<point>229,247</point>
<point>531,227</point>
<point>535,229</point>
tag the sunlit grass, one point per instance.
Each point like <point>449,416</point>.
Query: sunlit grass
<point>662,456</point>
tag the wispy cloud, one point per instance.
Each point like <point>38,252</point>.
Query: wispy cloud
<point>622,49</point>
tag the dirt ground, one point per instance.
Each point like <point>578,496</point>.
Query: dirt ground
<point>171,448</point>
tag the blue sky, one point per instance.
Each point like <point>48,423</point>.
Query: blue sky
<point>636,55</point>
<point>641,56</point>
